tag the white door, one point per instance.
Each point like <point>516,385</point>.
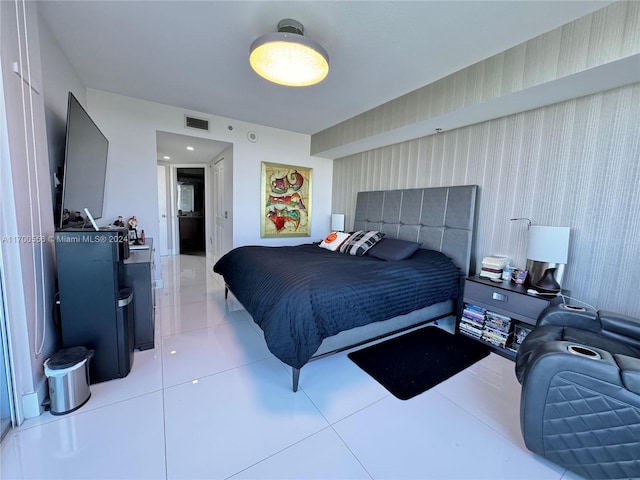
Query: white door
<point>220,212</point>
<point>163,226</point>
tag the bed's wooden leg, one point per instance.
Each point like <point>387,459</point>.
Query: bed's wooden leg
<point>295,378</point>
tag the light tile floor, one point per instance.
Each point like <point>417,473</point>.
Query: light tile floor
<point>210,401</point>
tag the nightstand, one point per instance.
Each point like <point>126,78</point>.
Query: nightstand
<point>499,314</point>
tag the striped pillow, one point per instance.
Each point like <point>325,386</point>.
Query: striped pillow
<point>361,241</point>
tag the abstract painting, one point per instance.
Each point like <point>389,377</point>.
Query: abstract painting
<point>286,201</point>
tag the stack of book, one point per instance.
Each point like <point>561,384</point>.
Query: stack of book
<point>496,329</point>
<point>472,321</point>
<point>492,267</point>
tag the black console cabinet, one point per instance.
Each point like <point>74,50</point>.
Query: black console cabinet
<point>95,303</point>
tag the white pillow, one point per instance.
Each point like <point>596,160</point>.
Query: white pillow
<point>334,240</point>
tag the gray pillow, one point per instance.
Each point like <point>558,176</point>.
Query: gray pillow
<point>393,249</point>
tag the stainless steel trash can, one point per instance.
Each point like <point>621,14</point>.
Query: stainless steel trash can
<point>68,376</point>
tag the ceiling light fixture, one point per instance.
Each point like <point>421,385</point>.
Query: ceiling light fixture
<point>191,149</point>
<point>287,57</point>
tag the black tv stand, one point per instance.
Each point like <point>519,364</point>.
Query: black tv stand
<point>78,224</point>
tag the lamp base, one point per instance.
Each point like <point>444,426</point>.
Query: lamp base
<point>548,284</point>
<point>536,270</point>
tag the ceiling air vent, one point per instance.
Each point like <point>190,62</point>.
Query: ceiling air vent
<point>197,123</point>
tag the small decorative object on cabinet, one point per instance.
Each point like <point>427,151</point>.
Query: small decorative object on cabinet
<point>499,314</point>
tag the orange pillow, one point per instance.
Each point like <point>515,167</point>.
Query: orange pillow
<point>334,240</point>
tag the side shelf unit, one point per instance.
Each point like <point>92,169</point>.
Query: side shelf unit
<point>139,274</point>
<point>499,314</point>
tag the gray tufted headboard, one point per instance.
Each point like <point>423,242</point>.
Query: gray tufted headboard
<point>441,218</point>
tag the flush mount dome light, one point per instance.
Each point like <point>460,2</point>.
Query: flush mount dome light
<point>287,57</point>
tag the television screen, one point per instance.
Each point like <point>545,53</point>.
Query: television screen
<point>85,167</point>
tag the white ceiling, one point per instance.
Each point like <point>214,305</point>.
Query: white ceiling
<point>194,54</point>
<point>175,146</point>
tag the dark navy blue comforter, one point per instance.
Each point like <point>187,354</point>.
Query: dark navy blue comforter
<point>300,295</point>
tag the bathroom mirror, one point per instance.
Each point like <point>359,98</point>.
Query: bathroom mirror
<point>185,198</point>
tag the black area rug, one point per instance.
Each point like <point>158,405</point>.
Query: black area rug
<point>414,362</point>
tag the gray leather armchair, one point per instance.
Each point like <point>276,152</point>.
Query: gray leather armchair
<point>580,400</point>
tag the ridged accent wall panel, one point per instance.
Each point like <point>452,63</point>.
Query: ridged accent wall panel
<point>575,163</point>
<point>605,36</point>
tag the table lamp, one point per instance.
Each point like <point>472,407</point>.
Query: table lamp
<point>547,252</point>
<point>337,222</point>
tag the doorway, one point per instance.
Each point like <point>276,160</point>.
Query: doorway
<point>185,152</point>
<point>190,205</point>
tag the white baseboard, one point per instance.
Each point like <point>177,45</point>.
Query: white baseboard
<point>32,402</point>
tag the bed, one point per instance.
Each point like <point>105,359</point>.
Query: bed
<point>309,301</point>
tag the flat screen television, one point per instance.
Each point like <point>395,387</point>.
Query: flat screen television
<point>85,168</point>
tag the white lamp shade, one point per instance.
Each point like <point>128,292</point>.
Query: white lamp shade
<point>337,222</point>
<point>548,244</point>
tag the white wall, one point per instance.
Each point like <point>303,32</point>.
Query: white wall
<point>59,78</point>
<point>131,124</point>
